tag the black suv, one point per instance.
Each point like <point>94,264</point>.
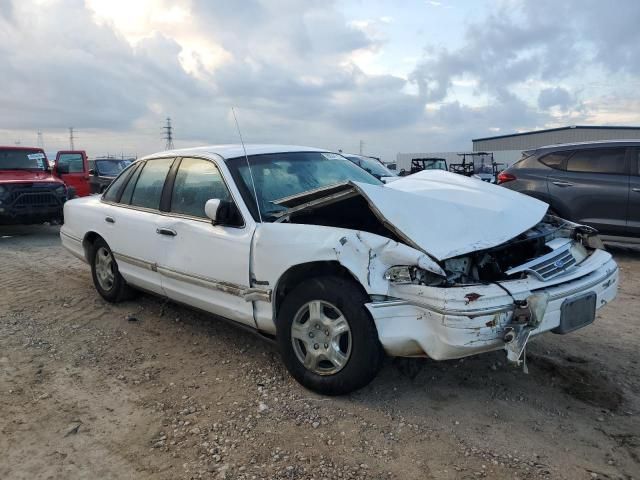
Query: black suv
<point>594,183</point>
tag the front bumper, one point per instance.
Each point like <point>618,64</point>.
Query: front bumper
<point>448,323</point>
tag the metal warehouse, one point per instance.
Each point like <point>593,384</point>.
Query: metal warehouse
<point>528,140</point>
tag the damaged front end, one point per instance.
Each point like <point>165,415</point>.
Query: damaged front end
<point>443,289</point>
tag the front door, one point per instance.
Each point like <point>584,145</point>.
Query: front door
<point>595,187</point>
<point>72,167</point>
<point>205,265</point>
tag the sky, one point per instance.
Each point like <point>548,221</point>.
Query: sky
<point>398,76</point>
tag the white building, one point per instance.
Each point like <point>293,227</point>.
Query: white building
<point>508,149</point>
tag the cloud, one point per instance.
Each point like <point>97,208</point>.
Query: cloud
<point>116,69</point>
<point>554,97</point>
<point>517,55</point>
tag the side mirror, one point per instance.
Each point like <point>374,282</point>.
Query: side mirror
<point>92,171</point>
<point>62,169</point>
<point>211,209</point>
<point>223,212</point>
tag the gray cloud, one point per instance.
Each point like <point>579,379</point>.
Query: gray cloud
<point>552,97</point>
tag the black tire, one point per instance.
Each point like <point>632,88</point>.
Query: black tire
<point>366,353</point>
<point>118,290</point>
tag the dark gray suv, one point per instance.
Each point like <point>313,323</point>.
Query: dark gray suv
<point>594,183</point>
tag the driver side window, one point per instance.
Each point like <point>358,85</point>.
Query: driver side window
<point>196,182</point>
<point>70,163</point>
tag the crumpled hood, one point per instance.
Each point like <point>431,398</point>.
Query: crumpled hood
<point>446,214</point>
<point>443,214</point>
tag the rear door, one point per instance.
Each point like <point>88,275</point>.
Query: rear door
<point>132,220</point>
<point>595,188</point>
<point>634,194</point>
<point>73,168</point>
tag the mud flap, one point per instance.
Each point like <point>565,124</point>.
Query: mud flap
<point>526,317</point>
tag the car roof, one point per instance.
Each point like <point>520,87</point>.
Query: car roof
<point>236,150</point>
<point>577,145</point>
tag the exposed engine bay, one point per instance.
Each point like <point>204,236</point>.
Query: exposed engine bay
<point>556,243</point>
<point>547,250</point>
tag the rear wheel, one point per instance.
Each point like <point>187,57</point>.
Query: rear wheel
<point>327,338</point>
<point>106,276</point>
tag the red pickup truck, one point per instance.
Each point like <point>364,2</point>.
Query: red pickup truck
<point>29,192</point>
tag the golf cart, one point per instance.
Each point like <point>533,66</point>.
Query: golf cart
<point>429,163</point>
<point>479,165</point>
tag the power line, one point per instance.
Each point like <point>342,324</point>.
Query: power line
<point>40,140</point>
<point>71,138</point>
<point>168,135</point>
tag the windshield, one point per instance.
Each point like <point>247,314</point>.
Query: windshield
<point>22,159</point>
<point>111,168</point>
<point>482,167</point>
<point>279,175</point>
<point>371,165</point>
<point>435,165</point>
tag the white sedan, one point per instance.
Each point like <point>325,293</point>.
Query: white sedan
<point>304,246</point>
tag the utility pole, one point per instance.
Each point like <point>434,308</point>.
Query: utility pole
<point>168,135</point>
<point>361,147</point>
<point>40,140</point>
<point>71,138</point>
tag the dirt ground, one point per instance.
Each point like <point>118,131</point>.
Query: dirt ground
<point>152,390</point>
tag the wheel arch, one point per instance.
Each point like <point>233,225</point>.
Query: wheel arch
<point>296,274</point>
<point>88,241</point>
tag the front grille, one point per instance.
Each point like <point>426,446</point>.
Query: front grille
<point>28,198</point>
<point>550,265</point>
<point>556,265</point>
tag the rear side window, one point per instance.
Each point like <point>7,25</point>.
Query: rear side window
<point>112,193</point>
<point>70,163</point>
<point>148,188</point>
<point>555,160</point>
<point>128,190</point>
<point>598,160</point>
<point>196,182</point>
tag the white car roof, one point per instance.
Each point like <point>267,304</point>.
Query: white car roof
<point>236,150</point>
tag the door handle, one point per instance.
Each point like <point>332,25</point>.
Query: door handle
<point>166,231</point>
<point>109,220</point>
<point>635,189</point>
<point>560,183</point>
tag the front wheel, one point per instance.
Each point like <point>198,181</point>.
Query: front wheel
<point>327,339</point>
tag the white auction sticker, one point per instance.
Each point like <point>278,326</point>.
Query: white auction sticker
<point>332,156</point>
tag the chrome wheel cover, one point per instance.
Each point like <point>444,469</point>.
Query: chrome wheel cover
<point>104,266</point>
<point>321,337</point>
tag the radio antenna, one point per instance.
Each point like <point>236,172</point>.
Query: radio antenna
<point>246,157</point>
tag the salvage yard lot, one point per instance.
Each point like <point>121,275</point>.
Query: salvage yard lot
<point>150,389</point>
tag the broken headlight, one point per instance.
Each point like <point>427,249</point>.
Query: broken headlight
<point>403,274</point>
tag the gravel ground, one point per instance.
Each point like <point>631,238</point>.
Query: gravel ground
<point>150,389</point>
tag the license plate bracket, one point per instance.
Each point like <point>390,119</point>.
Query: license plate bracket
<point>577,312</point>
